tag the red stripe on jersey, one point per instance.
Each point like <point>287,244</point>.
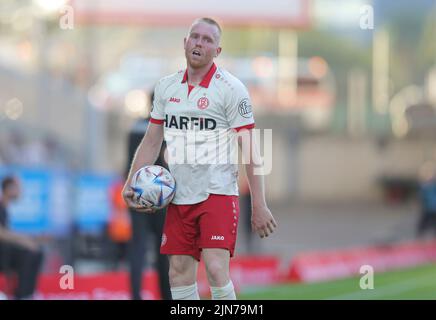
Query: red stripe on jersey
<point>207,78</point>
<point>248,126</point>
<point>185,76</point>
<point>190,88</point>
<point>156,121</point>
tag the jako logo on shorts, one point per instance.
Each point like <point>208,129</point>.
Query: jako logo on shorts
<point>217,238</point>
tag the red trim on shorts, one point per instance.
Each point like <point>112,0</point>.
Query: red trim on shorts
<point>248,126</point>
<point>156,121</point>
<point>212,223</point>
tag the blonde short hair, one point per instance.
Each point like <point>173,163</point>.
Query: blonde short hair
<point>208,21</point>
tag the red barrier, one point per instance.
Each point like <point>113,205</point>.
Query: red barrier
<point>102,286</point>
<point>251,270</point>
<point>327,265</point>
<point>245,270</point>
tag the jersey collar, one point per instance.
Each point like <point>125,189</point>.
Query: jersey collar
<point>207,78</point>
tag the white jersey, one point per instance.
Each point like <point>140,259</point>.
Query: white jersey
<point>200,127</point>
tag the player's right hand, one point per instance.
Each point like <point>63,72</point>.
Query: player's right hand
<point>131,203</point>
<point>262,221</point>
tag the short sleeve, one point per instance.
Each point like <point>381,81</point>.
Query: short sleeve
<point>238,109</point>
<point>157,110</point>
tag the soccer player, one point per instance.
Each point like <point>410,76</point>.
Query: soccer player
<point>202,219</point>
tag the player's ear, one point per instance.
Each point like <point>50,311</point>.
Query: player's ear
<point>218,51</point>
<point>184,42</point>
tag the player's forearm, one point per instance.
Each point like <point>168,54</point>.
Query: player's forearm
<point>256,183</point>
<point>11,237</point>
<point>146,154</point>
<point>253,168</point>
<point>5,235</point>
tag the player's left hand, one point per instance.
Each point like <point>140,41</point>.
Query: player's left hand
<point>127,194</point>
<point>262,221</point>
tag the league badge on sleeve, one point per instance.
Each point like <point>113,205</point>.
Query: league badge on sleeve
<point>244,108</point>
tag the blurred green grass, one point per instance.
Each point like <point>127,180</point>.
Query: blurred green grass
<point>414,283</point>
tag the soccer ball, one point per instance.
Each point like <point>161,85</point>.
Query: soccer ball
<point>153,186</point>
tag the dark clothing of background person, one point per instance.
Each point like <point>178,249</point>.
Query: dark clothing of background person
<point>427,219</point>
<point>20,260</point>
<point>146,227</point>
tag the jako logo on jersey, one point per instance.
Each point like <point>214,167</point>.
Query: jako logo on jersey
<point>189,123</point>
<point>203,103</point>
<point>244,108</point>
<point>176,100</point>
<point>217,238</point>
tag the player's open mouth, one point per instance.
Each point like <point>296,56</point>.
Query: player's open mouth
<point>196,53</point>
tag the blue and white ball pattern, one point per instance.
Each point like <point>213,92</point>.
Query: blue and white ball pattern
<point>154,187</point>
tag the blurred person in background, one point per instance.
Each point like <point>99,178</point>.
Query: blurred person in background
<point>146,227</point>
<point>427,192</point>
<point>119,227</point>
<point>18,253</point>
<point>201,221</point>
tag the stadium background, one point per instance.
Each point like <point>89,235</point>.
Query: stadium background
<point>352,110</point>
